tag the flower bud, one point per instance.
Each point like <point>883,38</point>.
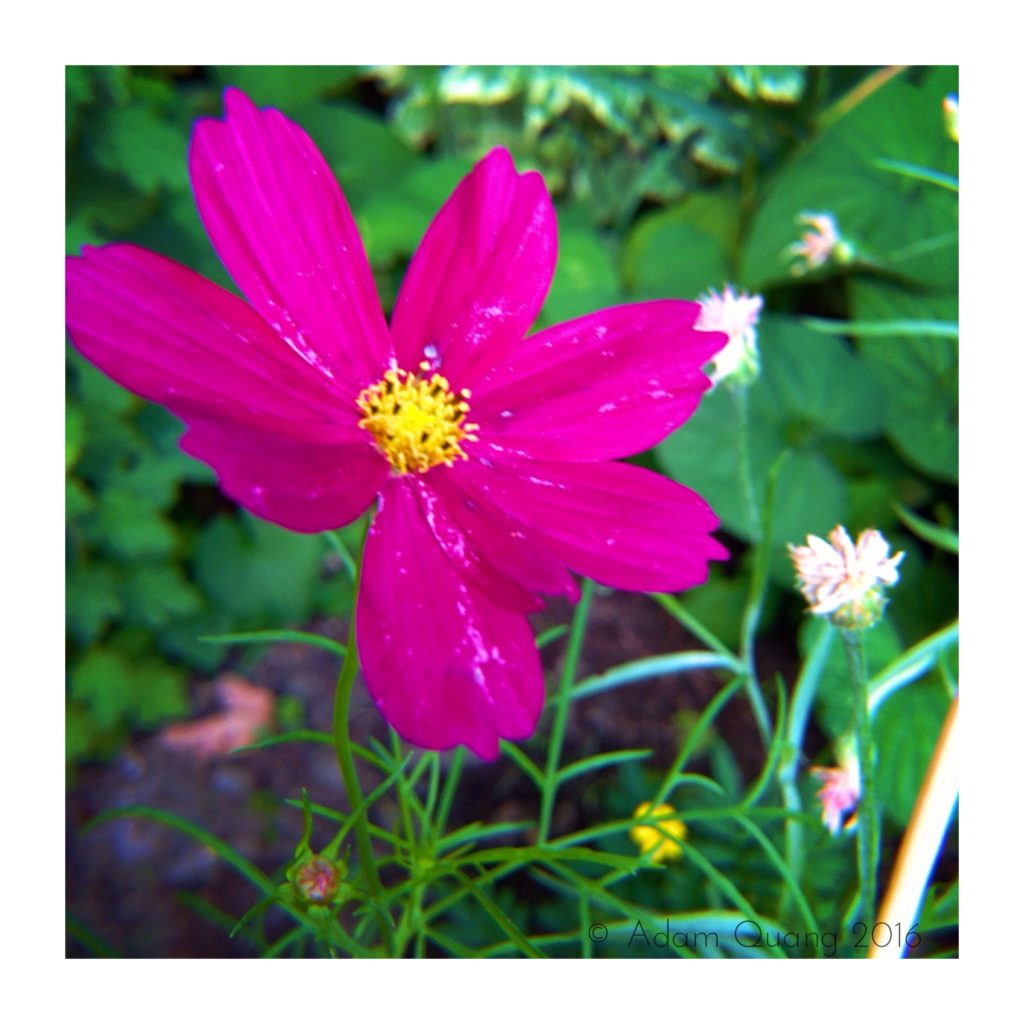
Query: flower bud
<point>840,792</point>
<point>317,880</point>
<point>652,838</point>
<point>819,245</point>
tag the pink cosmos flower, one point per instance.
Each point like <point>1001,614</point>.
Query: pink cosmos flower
<point>487,453</point>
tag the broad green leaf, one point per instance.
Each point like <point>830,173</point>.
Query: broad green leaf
<point>684,250</point>
<point>160,693</point>
<point>906,729</point>
<point>834,702</point>
<point>96,389</point>
<point>286,87</point>
<point>811,388</point>
<point>774,83</point>
<point>393,220</point>
<point>92,600</point>
<point>137,143</point>
<point>154,594</point>
<point>585,278</point>
<point>941,908</point>
<point>819,382</point>
<point>362,150</point>
<point>130,527</point>
<point>257,571</point>
<point>908,227</point>
<point>79,732</point>
<point>77,499</point>
<point>74,429</point>
<point>102,683</point>
<point>919,375</point>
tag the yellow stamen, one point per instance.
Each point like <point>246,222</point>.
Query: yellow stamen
<point>416,422</point>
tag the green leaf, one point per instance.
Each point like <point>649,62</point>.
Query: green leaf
<point>811,389</point>
<point>683,250</point>
<point>96,389</point>
<point>78,500</point>
<point>93,600</point>
<point>117,691</point>
<point>774,83</point>
<point>79,732</point>
<point>362,150</point>
<point>906,730</point>
<point>834,701</point>
<point>600,761</point>
<point>73,435</point>
<point>256,571</point>
<point>918,375</point>
<point>937,536</point>
<point>154,594</point>
<point>585,278</point>
<point>941,907</point>
<point>102,683</point>
<point>393,220</point>
<point>286,87</point>
<point>817,383</point>
<point>131,528</point>
<point>160,693</point>
<point>137,143</point>
<point>906,226</point>
<point>277,636</point>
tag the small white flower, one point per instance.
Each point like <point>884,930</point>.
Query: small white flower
<point>843,580</point>
<point>736,316</point>
<point>817,246</point>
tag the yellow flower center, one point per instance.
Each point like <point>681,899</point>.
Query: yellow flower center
<point>416,422</point>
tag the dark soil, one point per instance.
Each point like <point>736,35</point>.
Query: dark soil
<point>146,890</point>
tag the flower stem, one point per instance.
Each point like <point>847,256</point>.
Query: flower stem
<point>868,836</point>
<point>758,577</point>
<point>796,726</point>
<point>343,742</point>
<point>572,657</point>
<point>742,400</point>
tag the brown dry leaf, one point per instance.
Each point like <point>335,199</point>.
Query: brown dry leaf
<point>248,713</point>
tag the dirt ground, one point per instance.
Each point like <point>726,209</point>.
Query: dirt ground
<point>146,890</point>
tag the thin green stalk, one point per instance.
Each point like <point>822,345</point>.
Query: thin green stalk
<point>742,400</point>
<point>343,743</point>
<point>562,705</point>
<point>867,813</point>
<point>799,711</point>
<point>690,622</point>
<point>759,575</point>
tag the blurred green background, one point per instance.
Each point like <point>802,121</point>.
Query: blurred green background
<point>668,181</point>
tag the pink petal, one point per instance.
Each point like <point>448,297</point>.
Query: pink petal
<point>480,275</point>
<point>279,222</point>
<point>466,556</point>
<point>444,664</point>
<point>621,525</point>
<point>164,332</point>
<point>514,549</point>
<point>307,485</point>
<point>284,442</point>
<point>607,385</point>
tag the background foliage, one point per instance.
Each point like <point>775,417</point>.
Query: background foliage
<point>668,181</point>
